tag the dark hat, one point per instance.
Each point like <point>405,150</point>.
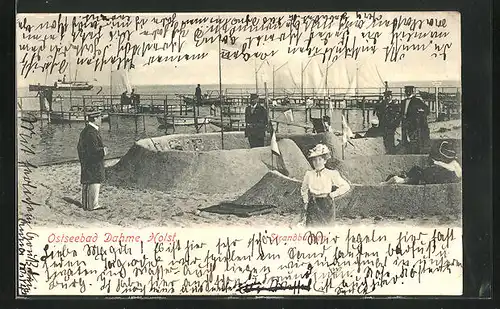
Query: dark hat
<point>253,96</point>
<point>409,89</point>
<point>445,152</point>
<point>93,115</point>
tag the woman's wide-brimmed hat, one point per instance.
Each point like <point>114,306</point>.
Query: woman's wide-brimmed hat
<point>445,152</point>
<point>319,150</point>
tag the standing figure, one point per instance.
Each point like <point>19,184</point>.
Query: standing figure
<point>124,100</point>
<point>91,153</point>
<point>197,95</point>
<point>319,189</point>
<point>327,123</point>
<point>415,122</point>
<point>135,99</point>
<point>256,122</point>
<point>392,122</point>
<point>381,107</point>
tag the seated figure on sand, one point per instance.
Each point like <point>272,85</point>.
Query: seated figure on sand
<point>444,168</point>
<point>374,131</point>
<point>319,189</point>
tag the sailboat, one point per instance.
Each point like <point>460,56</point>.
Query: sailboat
<point>76,113</point>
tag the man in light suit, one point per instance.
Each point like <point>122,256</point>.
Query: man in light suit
<point>91,153</point>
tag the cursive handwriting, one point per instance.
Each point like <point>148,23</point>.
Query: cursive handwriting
<point>126,41</point>
<point>28,260</point>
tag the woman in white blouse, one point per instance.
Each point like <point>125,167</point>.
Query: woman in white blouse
<point>320,187</point>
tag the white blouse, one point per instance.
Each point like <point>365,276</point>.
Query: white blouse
<point>321,183</point>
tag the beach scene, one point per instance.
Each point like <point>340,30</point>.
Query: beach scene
<point>176,158</point>
<point>243,154</point>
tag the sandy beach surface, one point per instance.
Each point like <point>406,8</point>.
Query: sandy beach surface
<point>58,191</point>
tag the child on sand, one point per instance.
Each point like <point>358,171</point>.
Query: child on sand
<point>320,187</point>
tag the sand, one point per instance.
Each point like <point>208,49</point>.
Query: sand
<point>292,162</point>
<point>162,202</point>
<point>127,207</point>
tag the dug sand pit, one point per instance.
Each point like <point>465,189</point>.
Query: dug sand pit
<point>148,166</point>
<point>367,198</point>
<point>373,170</point>
<point>294,163</point>
<point>355,147</point>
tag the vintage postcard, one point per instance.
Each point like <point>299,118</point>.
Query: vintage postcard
<point>239,154</point>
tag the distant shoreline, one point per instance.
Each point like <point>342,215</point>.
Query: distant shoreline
<point>392,84</point>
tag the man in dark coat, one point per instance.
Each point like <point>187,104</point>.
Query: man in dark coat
<point>417,128</point>
<point>381,107</point>
<point>256,122</point>
<point>124,100</point>
<point>134,98</point>
<point>392,119</point>
<point>91,152</point>
<point>197,94</point>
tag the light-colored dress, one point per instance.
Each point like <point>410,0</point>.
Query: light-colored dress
<point>319,188</point>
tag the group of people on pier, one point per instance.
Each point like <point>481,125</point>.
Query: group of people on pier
<point>132,99</point>
<point>411,113</point>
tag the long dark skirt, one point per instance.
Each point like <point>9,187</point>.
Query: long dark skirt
<point>320,212</point>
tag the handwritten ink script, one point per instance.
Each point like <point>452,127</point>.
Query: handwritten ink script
<point>28,261</point>
<point>125,41</point>
<point>343,261</point>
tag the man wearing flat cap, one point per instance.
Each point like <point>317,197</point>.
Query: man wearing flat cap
<point>91,153</point>
<point>256,122</point>
<point>415,122</point>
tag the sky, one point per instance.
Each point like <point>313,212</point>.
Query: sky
<point>414,66</point>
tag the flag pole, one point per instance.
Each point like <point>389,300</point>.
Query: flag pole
<point>343,133</point>
<point>220,93</point>
<point>269,121</point>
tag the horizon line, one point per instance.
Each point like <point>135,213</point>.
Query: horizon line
<point>252,85</point>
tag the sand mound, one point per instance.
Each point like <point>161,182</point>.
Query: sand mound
<point>274,189</point>
<point>194,163</point>
<point>402,201</point>
<point>196,142</point>
<point>211,172</point>
<point>294,163</point>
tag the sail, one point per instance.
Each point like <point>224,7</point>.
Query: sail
<point>341,77</point>
<point>313,77</point>
<point>123,82</point>
<point>284,78</point>
<point>369,78</point>
<point>349,77</point>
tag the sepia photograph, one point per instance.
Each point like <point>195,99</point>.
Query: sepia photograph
<point>228,121</point>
